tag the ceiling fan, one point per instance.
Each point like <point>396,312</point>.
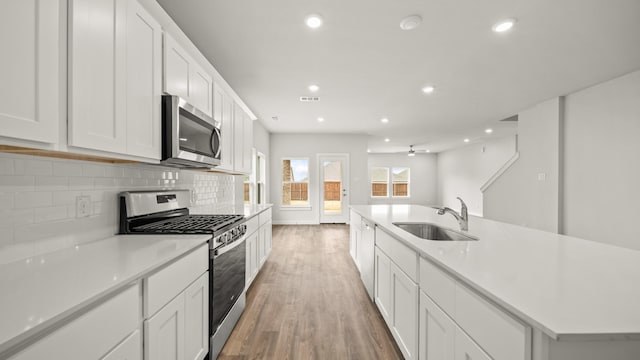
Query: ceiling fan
<point>412,151</point>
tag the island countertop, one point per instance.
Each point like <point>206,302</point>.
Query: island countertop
<point>567,287</point>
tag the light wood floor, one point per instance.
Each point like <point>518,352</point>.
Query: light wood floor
<point>308,303</point>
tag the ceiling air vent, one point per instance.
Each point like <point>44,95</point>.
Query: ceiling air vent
<point>309,98</point>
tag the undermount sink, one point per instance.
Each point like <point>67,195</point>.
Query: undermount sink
<point>429,231</point>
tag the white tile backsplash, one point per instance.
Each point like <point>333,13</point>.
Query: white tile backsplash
<point>38,199</point>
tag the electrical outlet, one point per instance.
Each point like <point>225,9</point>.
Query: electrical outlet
<point>83,206</point>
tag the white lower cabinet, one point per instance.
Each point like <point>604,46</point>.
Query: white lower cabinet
<point>129,349</point>
<point>355,236</point>
<point>404,300</point>
<point>396,296</point>
<point>196,319</point>
<point>258,248</point>
<point>179,331</point>
<point>436,333</point>
<point>466,349</point>
<point>382,284</point>
<point>94,334</point>
<point>164,332</point>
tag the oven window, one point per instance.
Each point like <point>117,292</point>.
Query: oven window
<point>195,134</point>
<point>228,283</point>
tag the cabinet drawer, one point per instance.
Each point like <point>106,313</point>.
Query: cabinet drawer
<point>402,255</point>
<point>499,334</point>
<point>264,216</point>
<point>355,220</point>
<point>93,334</point>
<point>164,285</point>
<point>252,225</point>
<point>438,285</point>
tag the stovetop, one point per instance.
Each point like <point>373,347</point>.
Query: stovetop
<point>188,224</point>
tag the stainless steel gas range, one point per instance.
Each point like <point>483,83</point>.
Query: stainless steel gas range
<point>166,212</point>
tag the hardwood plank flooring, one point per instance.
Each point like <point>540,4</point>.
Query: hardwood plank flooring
<point>308,302</point>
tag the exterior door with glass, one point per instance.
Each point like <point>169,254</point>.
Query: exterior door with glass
<point>334,188</point>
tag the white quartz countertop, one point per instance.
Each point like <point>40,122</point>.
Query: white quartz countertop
<point>567,287</point>
<point>39,291</point>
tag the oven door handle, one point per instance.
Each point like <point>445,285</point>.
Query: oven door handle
<point>228,248</point>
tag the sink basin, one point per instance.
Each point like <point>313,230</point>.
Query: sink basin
<point>429,231</point>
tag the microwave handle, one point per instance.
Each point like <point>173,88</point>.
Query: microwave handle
<point>216,147</point>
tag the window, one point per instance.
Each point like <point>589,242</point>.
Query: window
<point>400,182</point>
<point>295,182</point>
<point>254,184</point>
<point>381,178</point>
<point>379,182</point>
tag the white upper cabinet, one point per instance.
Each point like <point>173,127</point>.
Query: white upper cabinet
<point>185,78</point>
<point>144,82</point>
<point>115,78</point>
<point>223,107</point>
<point>97,73</point>
<point>30,96</point>
<point>243,140</point>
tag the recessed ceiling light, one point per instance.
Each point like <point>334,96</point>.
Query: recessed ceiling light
<point>466,140</point>
<point>320,119</point>
<point>386,140</point>
<point>368,150</point>
<point>504,25</point>
<point>488,131</point>
<point>313,21</point>
<point>384,120</point>
<point>428,89</point>
<point>314,88</point>
<point>410,22</point>
<point>428,150</point>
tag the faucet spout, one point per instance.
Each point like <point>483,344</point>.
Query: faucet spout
<point>462,218</point>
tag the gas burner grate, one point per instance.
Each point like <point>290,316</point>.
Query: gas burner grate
<point>190,224</point>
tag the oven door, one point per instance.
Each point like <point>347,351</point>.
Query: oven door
<point>190,137</point>
<point>228,280</point>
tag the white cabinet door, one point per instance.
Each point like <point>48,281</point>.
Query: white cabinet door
<point>366,255</point>
<point>177,67</point>
<point>437,332</point>
<point>201,89</point>
<point>129,349</point>
<point>196,319</point>
<point>243,140</point>
<point>466,349</point>
<point>382,288</point>
<point>144,83</point>
<point>185,78</point>
<point>404,303</point>
<point>30,94</point>
<point>357,245</point>
<point>252,260</point>
<point>223,112</point>
<point>269,232</point>
<point>97,62</point>
<point>262,246</point>
<point>164,332</point>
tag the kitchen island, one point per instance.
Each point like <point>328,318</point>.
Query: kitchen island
<point>575,299</point>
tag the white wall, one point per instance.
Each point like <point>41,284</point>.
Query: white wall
<point>308,146</point>
<point>602,162</point>
<point>38,197</point>
<point>422,177</point>
<point>462,171</point>
<point>528,193</point>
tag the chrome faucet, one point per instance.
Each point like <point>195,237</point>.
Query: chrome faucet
<point>463,217</point>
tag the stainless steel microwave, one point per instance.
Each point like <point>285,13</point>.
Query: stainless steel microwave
<point>190,138</point>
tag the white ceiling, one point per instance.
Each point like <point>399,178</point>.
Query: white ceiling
<point>368,68</point>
